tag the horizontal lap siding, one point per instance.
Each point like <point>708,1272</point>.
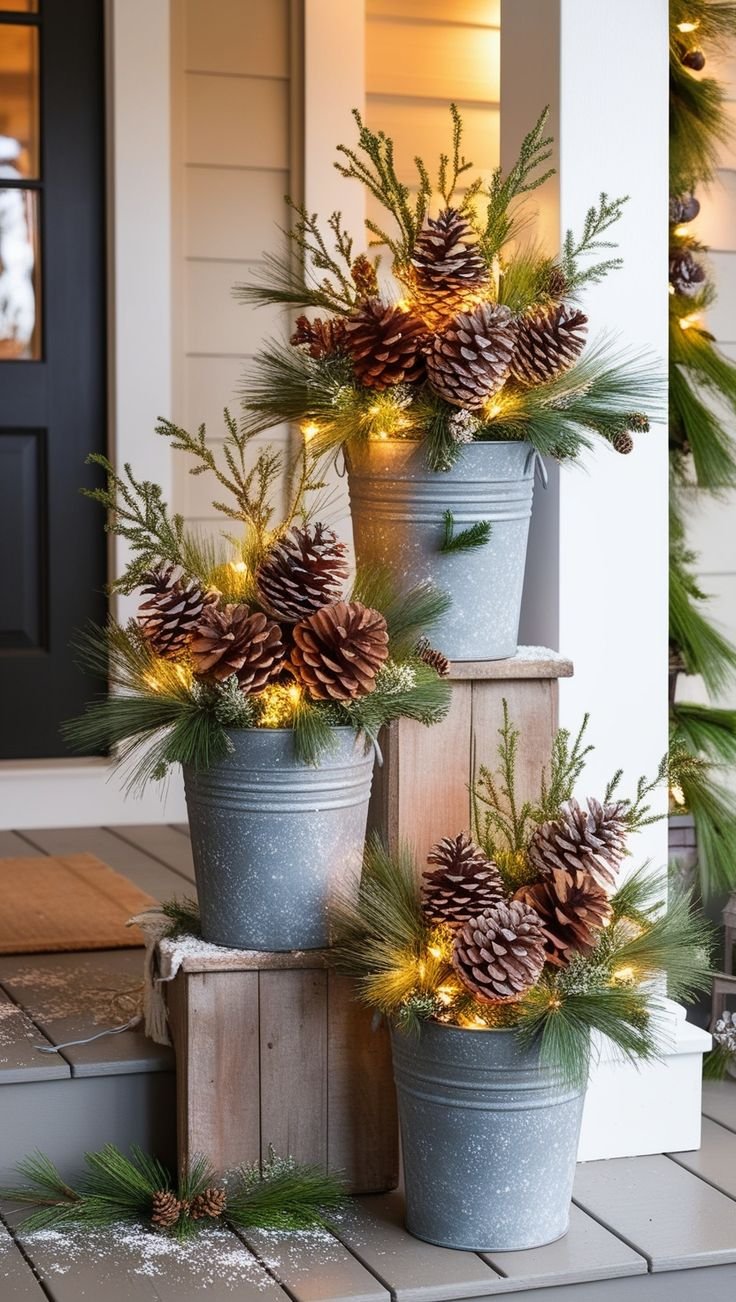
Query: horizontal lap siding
<point>711,531</point>
<point>232,152</point>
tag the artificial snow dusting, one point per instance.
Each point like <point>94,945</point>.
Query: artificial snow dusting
<point>14,1026</point>
<point>50,994</point>
<point>536,653</point>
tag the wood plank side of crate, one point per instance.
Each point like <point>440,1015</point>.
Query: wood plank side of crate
<point>283,1056</point>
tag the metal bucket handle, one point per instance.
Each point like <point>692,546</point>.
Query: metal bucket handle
<point>538,467</point>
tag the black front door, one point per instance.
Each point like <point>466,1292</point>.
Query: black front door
<point>52,360</point>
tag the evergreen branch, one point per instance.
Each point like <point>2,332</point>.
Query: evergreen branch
<point>566,765</point>
<point>282,1195</point>
<point>477,535</point>
<point>706,729</point>
<point>597,222</point>
<point>279,283</point>
<point>137,512</point>
<point>702,648</point>
<point>522,178</point>
<point>562,1023</point>
<point>408,614</point>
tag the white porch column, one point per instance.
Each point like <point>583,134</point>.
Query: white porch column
<point>597,574</point>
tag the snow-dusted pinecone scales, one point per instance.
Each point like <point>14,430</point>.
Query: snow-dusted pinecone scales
<point>231,640</point>
<point>461,884</point>
<point>338,651</point>
<point>383,342</point>
<point>500,954</point>
<point>469,361</point>
<point>448,271</point>
<point>548,343</point>
<point>174,607</point>
<point>321,338</point>
<point>573,908</point>
<point>592,838</point>
<point>303,571</point>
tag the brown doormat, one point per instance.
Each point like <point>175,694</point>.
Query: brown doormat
<point>70,902</point>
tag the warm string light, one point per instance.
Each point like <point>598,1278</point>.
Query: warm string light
<point>309,430</point>
<point>687,322</point>
<point>278,704</point>
<point>677,794</point>
<point>238,567</point>
<point>624,976</point>
<point>682,229</point>
<point>689,26</point>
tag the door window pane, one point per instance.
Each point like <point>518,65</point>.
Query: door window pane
<point>20,297</point>
<point>19,100</point>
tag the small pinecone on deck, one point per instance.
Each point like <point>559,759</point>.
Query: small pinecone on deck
<point>320,338</point>
<point>592,838</point>
<point>469,361</point>
<point>549,342</point>
<point>209,1203</point>
<point>384,342</point>
<point>165,1209</point>
<point>234,641</point>
<point>500,954</point>
<point>363,274</point>
<point>573,907</point>
<point>302,572</point>
<point>432,657</point>
<point>448,270</point>
<point>172,612</point>
<point>462,883</point>
<point>687,275</point>
<point>338,651</point>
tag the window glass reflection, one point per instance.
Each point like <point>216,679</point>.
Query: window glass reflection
<point>19,94</point>
<point>20,333</point>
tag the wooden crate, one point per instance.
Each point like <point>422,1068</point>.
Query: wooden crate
<point>272,1049</point>
<point>421,792</point>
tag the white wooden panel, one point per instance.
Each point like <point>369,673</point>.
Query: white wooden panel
<point>236,121</point>
<point>237,36</point>
<point>211,384</point>
<point>197,492</point>
<point>232,213</point>
<point>716,222</point>
<point>215,321</point>
<point>727,148</point>
<point>482,13</point>
<point>712,533</point>
<point>722,316</point>
<point>433,60</point>
<point>426,130</point>
<point>723,69</point>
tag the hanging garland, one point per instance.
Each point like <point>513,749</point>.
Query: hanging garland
<point>702,453</point>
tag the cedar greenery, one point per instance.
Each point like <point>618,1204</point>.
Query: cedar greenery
<point>279,1195</point>
<point>702,389</point>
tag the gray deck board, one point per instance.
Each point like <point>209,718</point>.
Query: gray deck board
<point>147,872</point>
<point>124,1264</point>
<point>17,1281</point>
<point>315,1267</point>
<point>668,1215</point>
<point>19,1060</point>
<point>13,846</point>
<point>719,1102</point>
<point>72,996</point>
<point>163,843</point>
<point>715,1160</point>
<point>414,1271</point>
<point>587,1252</point>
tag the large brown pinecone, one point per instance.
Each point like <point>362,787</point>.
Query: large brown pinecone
<point>500,954</point>
<point>549,342</point>
<point>321,338</point>
<point>384,343</point>
<point>303,571</point>
<point>231,640</point>
<point>573,907</point>
<point>209,1203</point>
<point>448,269</point>
<point>462,884</point>
<point>592,838</point>
<point>338,651</point>
<point>469,361</point>
<point>165,1209</point>
<point>172,612</point>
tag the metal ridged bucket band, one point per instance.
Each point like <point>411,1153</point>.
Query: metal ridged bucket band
<point>398,505</point>
<point>489,1140</point>
<point>271,836</point>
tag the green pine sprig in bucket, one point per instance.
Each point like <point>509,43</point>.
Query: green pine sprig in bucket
<point>278,1195</point>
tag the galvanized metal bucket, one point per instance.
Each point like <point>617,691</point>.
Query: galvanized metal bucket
<point>271,837</point>
<point>398,506</point>
<point>489,1140</point>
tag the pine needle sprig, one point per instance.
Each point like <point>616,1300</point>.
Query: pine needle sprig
<point>561,1023</point>
<point>376,170</point>
<point>282,1195</point>
<point>138,513</point>
<point>597,221</point>
<point>706,729</point>
<point>183,915</point>
<point>522,178</point>
<point>476,535</point>
<point>278,282</point>
<point>408,614</point>
<point>497,810</point>
<point>566,765</point>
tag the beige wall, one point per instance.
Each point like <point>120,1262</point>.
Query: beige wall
<point>712,530</point>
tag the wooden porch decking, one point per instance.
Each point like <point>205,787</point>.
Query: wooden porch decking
<point>642,1230</point>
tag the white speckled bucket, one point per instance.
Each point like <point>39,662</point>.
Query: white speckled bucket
<point>489,1140</point>
<point>271,836</point>
<point>398,505</point>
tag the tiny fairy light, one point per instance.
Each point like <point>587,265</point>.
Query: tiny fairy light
<point>624,976</point>
<point>689,26</point>
<point>687,322</point>
<point>682,229</point>
<point>677,794</point>
<point>309,430</point>
<point>238,567</point>
<point>278,703</point>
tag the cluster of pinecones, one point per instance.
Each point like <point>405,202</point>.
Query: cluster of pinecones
<point>500,945</point>
<point>167,1209</point>
<point>333,648</point>
<point>467,346</point>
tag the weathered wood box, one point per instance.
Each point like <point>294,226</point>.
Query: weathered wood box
<point>272,1048</point>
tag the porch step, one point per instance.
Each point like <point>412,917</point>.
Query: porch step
<point>118,1089</point>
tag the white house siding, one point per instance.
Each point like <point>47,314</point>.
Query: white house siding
<point>712,526</point>
<point>231,167</point>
